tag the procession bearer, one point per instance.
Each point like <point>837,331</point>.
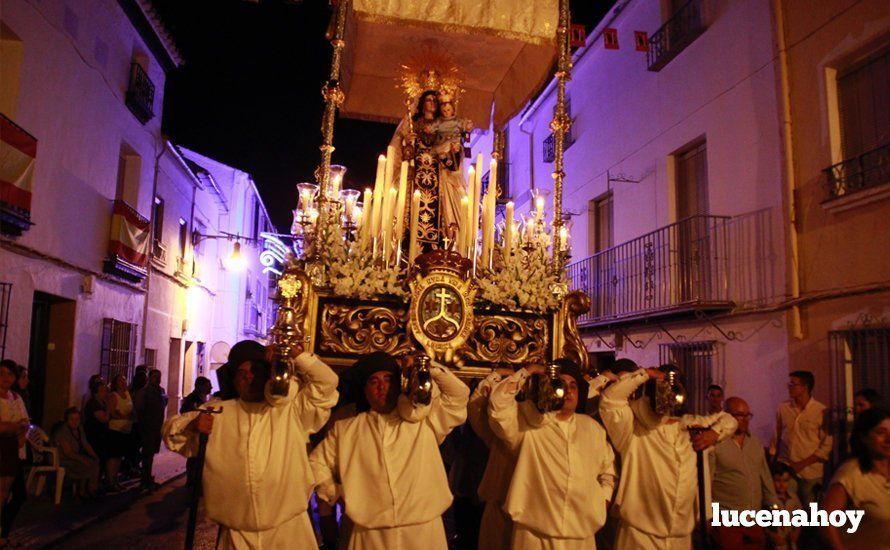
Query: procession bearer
<point>385,463</point>
<point>657,494</point>
<point>256,479</point>
<point>564,475</point>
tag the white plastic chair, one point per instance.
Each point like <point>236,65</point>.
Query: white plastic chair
<point>38,439</point>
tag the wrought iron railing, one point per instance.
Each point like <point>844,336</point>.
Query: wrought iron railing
<point>678,32</point>
<point>140,94</point>
<point>678,267</point>
<point>868,170</point>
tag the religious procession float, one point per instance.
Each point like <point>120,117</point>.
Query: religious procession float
<point>425,259</point>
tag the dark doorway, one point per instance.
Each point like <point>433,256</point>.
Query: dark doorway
<point>50,356</point>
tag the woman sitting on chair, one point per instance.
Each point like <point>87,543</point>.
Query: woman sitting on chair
<point>80,461</point>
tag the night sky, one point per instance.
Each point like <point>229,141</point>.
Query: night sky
<point>249,95</point>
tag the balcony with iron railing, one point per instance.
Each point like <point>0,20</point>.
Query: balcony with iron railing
<point>140,94</point>
<point>866,171</point>
<point>678,32</point>
<point>675,270</point>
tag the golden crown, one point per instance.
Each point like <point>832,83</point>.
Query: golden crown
<point>432,68</point>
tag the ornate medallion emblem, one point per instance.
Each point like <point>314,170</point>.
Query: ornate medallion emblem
<point>441,314</point>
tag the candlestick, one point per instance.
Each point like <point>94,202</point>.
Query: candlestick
<point>415,214</point>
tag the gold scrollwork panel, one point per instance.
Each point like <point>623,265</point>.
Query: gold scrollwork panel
<point>501,340</point>
<point>353,329</point>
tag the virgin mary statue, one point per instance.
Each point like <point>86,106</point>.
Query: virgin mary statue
<point>430,141</point>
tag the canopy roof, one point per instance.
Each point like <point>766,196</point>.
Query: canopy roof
<point>504,50</point>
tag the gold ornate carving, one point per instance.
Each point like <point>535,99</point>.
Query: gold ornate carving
<point>360,329</point>
<point>506,340</point>
<point>575,303</point>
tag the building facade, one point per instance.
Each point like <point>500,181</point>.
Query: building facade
<point>687,226</point>
<point>84,285</point>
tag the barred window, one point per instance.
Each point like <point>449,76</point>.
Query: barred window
<point>697,361</point>
<point>118,348</point>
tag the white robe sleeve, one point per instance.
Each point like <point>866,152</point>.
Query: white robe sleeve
<point>596,385</point>
<point>503,411</point>
<point>477,408</point>
<point>313,400</point>
<point>449,410</point>
<point>723,423</point>
<point>607,475</point>
<point>178,437</point>
<point>323,461</point>
<point>615,411</point>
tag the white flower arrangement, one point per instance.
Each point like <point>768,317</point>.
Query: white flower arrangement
<point>351,269</point>
<point>524,281</point>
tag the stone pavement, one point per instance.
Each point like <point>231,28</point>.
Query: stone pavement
<point>42,523</point>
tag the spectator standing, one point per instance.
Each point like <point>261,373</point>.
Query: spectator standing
<point>150,404</point>
<point>95,426</point>
<point>715,399</point>
<point>863,483</point>
<point>192,402</point>
<point>14,424</point>
<point>784,538</point>
<point>120,427</point>
<point>80,460</point>
<point>91,384</point>
<point>864,399</point>
<point>740,479</point>
<point>20,387</point>
<point>801,439</point>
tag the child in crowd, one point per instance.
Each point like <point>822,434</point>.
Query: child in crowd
<point>784,537</point>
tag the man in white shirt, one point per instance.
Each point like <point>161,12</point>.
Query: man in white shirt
<point>256,479</point>
<point>385,461</point>
<point>802,440</point>
<point>564,476</point>
<point>657,495</point>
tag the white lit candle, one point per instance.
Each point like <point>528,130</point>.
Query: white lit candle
<point>400,205</point>
<point>415,214</point>
<point>563,238</point>
<point>386,230</point>
<point>378,196</point>
<point>539,208</point>
<point>464,224</point>
<point>508,232</point>
<point>367,208</point>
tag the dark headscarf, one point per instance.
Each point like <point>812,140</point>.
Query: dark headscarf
<point>245,350</point>
<point>353,381</point>
<point>567,366</point>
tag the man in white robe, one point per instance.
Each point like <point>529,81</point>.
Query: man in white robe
<point>256,478</point>
<point>564,476</point>
<point>658,490</point>
<point>385,462</point>
<point>496,526</point>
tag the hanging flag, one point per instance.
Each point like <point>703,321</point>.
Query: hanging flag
<point>18,151</point>
<point>577,36</point>
<point>129,235</point>
<point>610,39</point>
<point>641,40</point>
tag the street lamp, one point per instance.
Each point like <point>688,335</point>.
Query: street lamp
<point>236,261</point>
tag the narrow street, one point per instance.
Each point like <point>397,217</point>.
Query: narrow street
<point>158,520</point>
